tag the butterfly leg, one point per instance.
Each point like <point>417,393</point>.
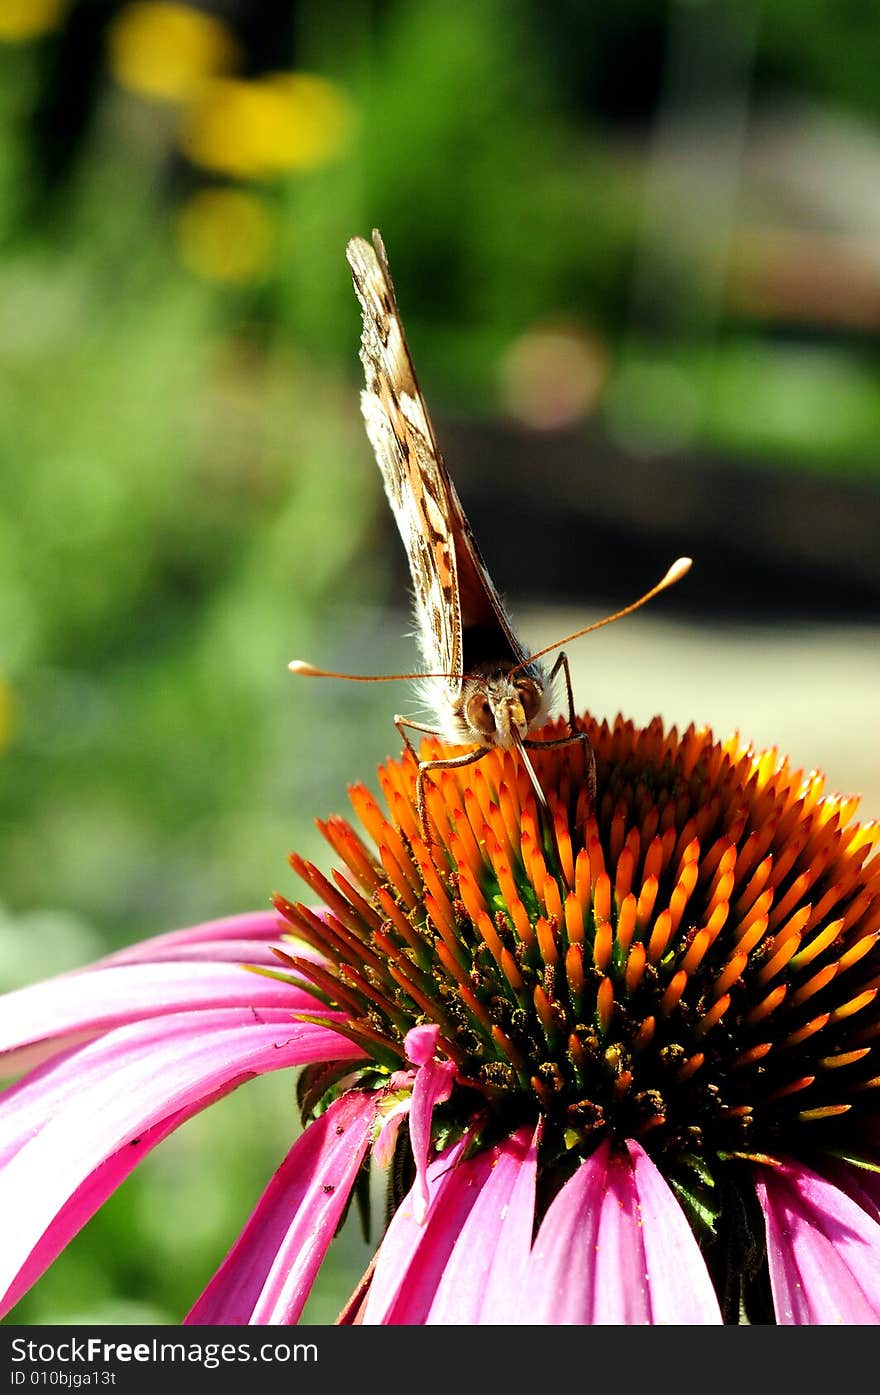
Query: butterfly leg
<point>562,663</point>
<point>449,763</point>
<point>401,722</point>
<point>574,734</point>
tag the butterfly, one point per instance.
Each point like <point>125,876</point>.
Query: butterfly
<point>484,687</point>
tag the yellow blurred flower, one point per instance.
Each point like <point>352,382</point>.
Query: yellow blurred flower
<point>26,19</point>
<point>285,121</point>
<point>225,235</point>
<point>166,51</point>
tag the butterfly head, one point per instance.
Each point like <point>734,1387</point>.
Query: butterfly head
<point>499,707</point>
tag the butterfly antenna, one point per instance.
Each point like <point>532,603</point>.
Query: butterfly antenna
<point>675,573</point>
<point>307,670</point>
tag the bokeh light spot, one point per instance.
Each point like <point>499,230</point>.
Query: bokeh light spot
<point>28,19</point>
<point>553,375</point>
<point>166,51</point>
<point>225,235</point>
<point>285,121</point>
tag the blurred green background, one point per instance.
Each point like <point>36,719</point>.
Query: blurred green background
<point>637,249</point>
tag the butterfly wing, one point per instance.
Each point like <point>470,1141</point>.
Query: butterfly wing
<point>460,615</point>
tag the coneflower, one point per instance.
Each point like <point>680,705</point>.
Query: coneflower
<point>619,1055</point>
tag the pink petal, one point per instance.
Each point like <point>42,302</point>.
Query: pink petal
<point>226,951</point>
<point>26,1106</point>
<point>432,1085</point>
<point>823,1249</point>
<point>482,1278</point>
<point>27,1058</point>
<point>420,1043</point>
<point>600,1258</point>
<point>561,1277</point>
<point>858,1182</point>
<point>78,1006</point>
<point>255,928</point>
<point>268,1273</point>
<point>81,1127</point>
<point>411,1257</point>
<point>678,1281</point>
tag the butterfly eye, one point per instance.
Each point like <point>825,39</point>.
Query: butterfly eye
<point>530,697</point>
<point>479,714</point>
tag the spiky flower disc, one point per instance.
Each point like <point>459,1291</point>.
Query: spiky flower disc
<point>689,961</point>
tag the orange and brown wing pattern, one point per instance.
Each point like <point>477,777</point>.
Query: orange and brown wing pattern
<point>416,482</point>
<point>452,588</point>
